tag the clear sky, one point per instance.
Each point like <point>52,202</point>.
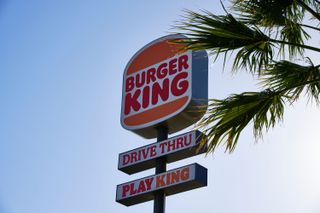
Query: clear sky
<point>61,66</point>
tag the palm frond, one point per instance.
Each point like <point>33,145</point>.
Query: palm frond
<point>283,14</point>
<point>293,78</point>
<point>221,34</point>
<point>293,33</point>
<point>230,116</point>
<point>268,13</point>
<point>260,28</point>
<point>311,6</point>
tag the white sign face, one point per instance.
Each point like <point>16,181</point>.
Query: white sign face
<point>175,148</point>
<point>175,181</point>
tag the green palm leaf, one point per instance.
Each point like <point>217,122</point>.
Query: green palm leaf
<point>230,116</point>
<point>293,79</point>
<point>293,33</point>
<point>221,34</point>
<point>268,13</point>
<point>283,14</point>
<point>259,30</point>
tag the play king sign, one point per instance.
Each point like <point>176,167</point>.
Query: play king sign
<point>163,83</point>
<point>172,182</point>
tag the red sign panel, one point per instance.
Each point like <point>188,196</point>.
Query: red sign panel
<point>160,84</point>
<point>172,182</point>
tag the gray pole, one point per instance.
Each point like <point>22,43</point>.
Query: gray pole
<point>161,166</point>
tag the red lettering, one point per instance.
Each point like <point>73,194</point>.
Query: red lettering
<point>162,71</point>
<point>125,189</point>
<point>149,182</point>
<point>175,177</point>
<point>173,66</point>
<point>140,79</point>
<point>162,145</point>
<point>183,62</point>
<point>125,159</point>
<point>158,91</point>
<point>186,141</point>
<point>132,189</point>
<point>131,101</point>
<point>145,152</point>
<point>179,143</point>
<point>168,179</point>
<point>185,174</point>
<point>138,155</point>
<point>133,157</point>
<point>142,187</point>
<point>179,86</point>
<point>171,145</point>
<point>153,151</point>
<point>151,75</point>
<point>160,181</point>
<point>149,87</point>
<point>146,97</point>
<point>129,84</point>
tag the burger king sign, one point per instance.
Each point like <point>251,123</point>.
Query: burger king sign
<point>162,84</point>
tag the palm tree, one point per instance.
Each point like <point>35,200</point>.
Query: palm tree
<point>266,35</point>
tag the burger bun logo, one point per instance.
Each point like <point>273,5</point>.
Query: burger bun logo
<point>162,85</point>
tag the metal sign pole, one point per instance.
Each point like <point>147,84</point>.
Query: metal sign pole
<point>161,166</point>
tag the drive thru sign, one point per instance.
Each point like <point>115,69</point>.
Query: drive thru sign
<point>163,86</point>
<point>174,149</point>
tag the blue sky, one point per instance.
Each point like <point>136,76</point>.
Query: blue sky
<point>61,66</point>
